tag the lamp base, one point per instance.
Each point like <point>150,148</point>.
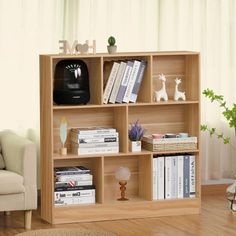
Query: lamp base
<point>122,199</point>
<point>122,191</point>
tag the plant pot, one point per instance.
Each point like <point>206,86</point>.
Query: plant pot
<point>135,146</point>
<point>111,49</point>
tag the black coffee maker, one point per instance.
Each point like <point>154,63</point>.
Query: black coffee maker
<point>71,82</point>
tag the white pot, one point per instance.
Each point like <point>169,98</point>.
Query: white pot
<point>135,146</point>
<point>112,49</point>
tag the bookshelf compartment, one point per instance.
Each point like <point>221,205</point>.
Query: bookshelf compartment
<point>184,67</point>
<point>138,188</point>
<point>95,74</point>
<point>94,164</point>
<point>114,117</point>
<point>166,119</point>
<point>145,89</point>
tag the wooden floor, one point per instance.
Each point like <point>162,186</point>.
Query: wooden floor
<point>215,220</point>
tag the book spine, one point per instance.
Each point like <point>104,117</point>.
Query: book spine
<point>110,82</point>
<point>76,136</point>
<point>75,193</point>
<point>73,183</point>
<point>117,82</point>
<point>138,81</point>
<point>95,145</point>
<point>73,188</point>
<point>94,140</point>
<point>71,173</point>
<point>180,177</point>
<point>94,131</point>
<point>160,178</point>
<point>174,176</point>
<point>80,151</point>
<point>67,178</point>
<point>168,177</point>
<point>74,201</point>
<point>131,82</point>
<point>186,176</point>
<point>192,176</point>
<point>124,82</point>
<point>154,177</point>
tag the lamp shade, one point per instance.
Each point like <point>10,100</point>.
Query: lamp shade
<point>122,173</point>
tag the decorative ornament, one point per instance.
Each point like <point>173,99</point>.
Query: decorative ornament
<point>178,95</point>
<point>63,135</point>
<point>161,94</point>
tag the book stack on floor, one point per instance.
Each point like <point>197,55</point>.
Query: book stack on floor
<point>93,140</point>
<point>124,81</point>
<point>73,185</point>
<point>174,177</point>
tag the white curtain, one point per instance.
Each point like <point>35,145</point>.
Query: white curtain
<point>32,27</point>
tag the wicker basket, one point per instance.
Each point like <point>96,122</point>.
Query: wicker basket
<point>169,144</point>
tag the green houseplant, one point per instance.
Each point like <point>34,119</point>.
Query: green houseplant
<point>111,45</point>
<point>228,113</point>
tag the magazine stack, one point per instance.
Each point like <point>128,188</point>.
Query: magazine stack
<point>73,185</point>
<point>93,140</point>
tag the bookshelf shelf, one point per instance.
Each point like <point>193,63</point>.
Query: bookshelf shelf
<point>156,117</point>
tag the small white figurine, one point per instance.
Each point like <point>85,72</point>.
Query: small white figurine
<point>178,94</point>
<point>161,94</point>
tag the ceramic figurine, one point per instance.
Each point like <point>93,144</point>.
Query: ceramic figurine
<point>178,95</point>
<point>161,94</point>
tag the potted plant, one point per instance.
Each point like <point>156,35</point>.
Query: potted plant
<point>136,132</point>
<point>111,45</point>
<point>228,113</point>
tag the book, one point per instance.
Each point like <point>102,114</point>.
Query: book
<point>73,170</point>
<point>75,136</point>
<point>73,183</point>
<point>192,176</point>
<point>73,188</point>
<point>68,178</point>
<point>154,176</point>
<point>124,82</point>
<point>168,176</point>
<point>93,130</point>
<point>110,82</point>
<point>138,81</point>
<point>95,150</point>
<point>75,193</point>
<point>95,145</point>
<point>74,201</point>
<point>94,140</point>
<point>174,176</point>
<point>186,177</point>
<point>117,82</point>
<point>131,81</point>
<point>160,178</point>
<point>180,181</point>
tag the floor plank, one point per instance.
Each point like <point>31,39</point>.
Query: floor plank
<point>216,219</point>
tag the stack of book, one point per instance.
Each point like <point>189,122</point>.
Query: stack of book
<point>124,81</point>
<point>73,185</point>
<point>174,177</point>
<point>93,140</point>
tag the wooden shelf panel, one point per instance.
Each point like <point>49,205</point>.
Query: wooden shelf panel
<point>125,210</point>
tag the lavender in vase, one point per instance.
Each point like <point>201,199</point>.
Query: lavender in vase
<point>136,131</point>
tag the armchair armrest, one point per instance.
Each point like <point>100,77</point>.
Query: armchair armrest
<point>20,157</point>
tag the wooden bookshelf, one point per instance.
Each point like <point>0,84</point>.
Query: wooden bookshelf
<point>166,117</point>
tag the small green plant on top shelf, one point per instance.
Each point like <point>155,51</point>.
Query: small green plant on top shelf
<point>228,113</point>
<point>111,45</point>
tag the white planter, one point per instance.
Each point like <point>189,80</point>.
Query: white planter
<point>111,49</point>
<point>135,146</point>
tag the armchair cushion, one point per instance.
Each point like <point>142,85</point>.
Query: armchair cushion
<point>11,182</point>
<point>2,163</point>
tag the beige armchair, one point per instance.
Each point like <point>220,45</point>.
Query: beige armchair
<point>18,187</point>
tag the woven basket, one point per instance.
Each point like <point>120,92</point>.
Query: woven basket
<point>169,144</point>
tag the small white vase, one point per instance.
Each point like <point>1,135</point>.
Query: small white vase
<point>112,49</point>
<point>135,146</point>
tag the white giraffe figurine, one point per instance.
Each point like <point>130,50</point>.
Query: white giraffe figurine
<point>178,94</point>
<point>161,94</point>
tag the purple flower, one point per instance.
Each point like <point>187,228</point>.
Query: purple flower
<point>136,131</point>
